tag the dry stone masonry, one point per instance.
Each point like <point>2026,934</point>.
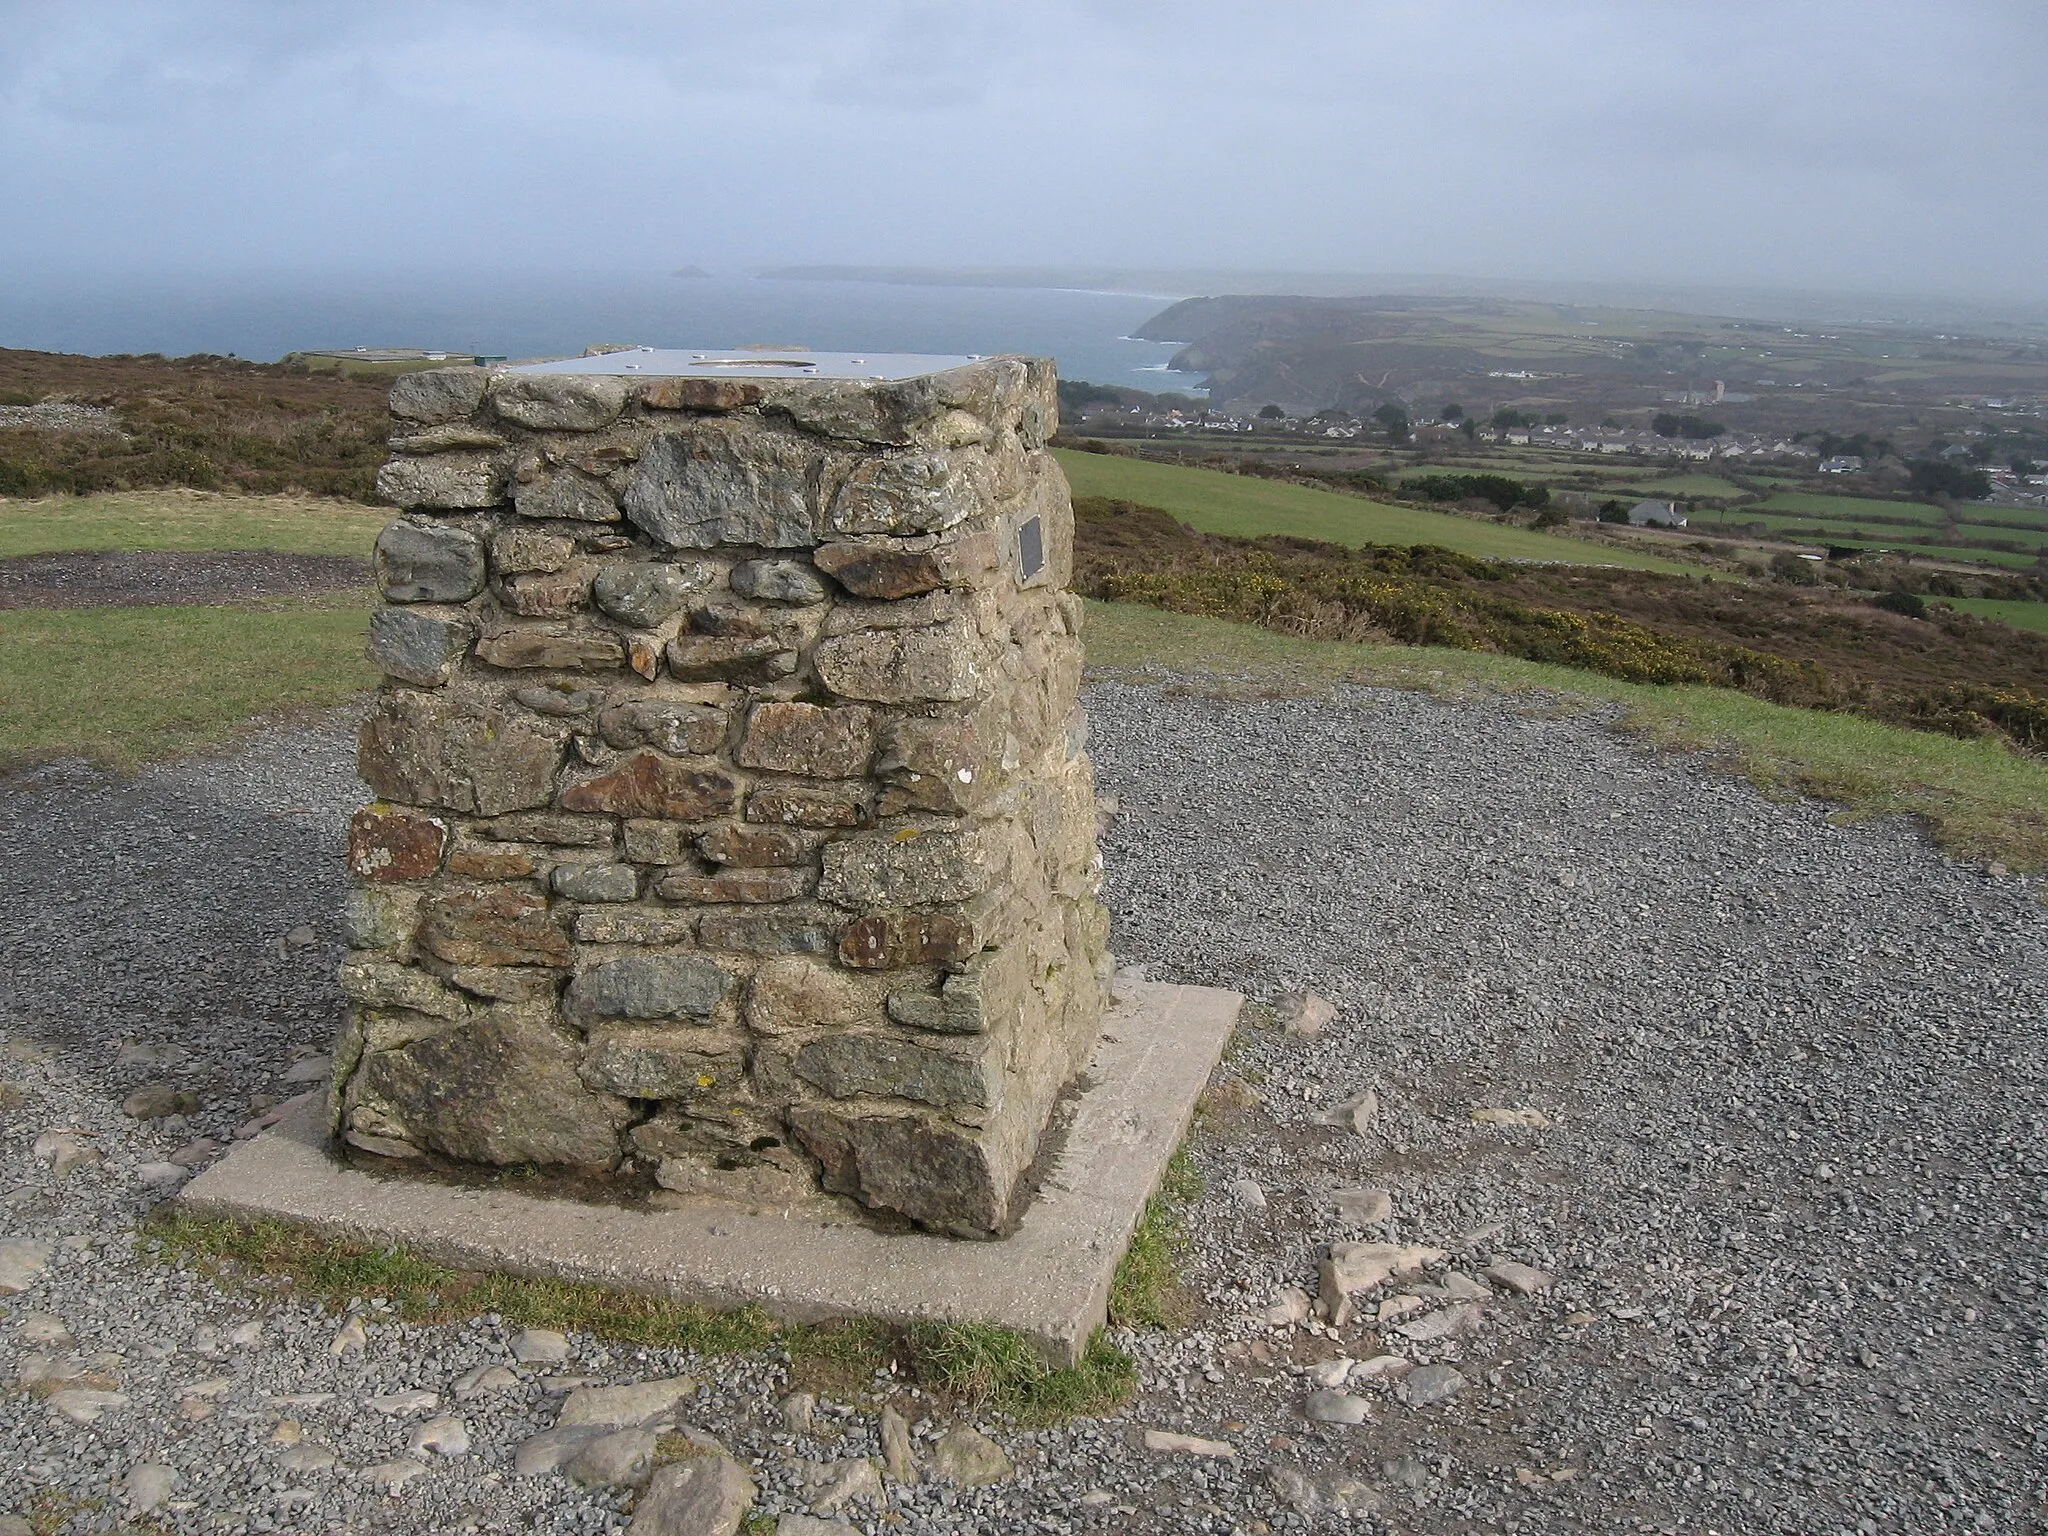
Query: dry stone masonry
<point>733,818</point>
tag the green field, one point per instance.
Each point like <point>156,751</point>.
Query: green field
<point>1847,508</point>
<point>1249,508</point>
<point>2021,615</point>
<point>1976,797</point>
<point>1694,487</point>
<point>182,519</point>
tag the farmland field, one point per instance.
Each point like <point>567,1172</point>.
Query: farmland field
<point>2020,615</point>
<point>1215,502</point>
<point>1821,504</point>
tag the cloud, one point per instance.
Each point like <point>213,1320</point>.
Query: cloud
<point>1886,144</point>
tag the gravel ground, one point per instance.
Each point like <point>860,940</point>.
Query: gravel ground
<point>1781,1085</point>
<point>145,578</point>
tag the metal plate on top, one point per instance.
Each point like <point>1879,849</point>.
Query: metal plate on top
<point>754,363</point>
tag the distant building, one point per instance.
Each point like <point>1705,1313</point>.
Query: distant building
<point>1841,464</point>
<point>1656,514</point>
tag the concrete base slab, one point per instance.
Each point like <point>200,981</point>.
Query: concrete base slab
<point>1049,1280</point>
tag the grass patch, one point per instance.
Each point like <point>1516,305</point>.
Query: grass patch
<point>1146,1291</point>
<point>122,685</point>
<point>183,519</point>
<point>2020,615</point>
<point>987,1367</point>
<point>1976,798</point>
<point>1247,507</point>
<point>1848,508</point>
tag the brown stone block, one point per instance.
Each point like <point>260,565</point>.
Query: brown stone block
<point>517,550</point>
<point>616,926</point>
<point>746,886</point>
<point>773,930</point>
<point>730,658</point>
<point>553,827</point>
<point>931,1172</point>
<point>809,739</point>
<point>803,805</point>
<point>458,754</point>
<point>491,925</point>
<point>939,664</point>
<point>650,785</point>
<point>699,394</point>
<point>554,646</point>
<point>493,861</point>
<point>893,571</point>
<point>752,847</point>
<point>886,940</point>
<point>385,843</point>
<point>794,992</point>
<point>951,764</point>
<point>549,594</point>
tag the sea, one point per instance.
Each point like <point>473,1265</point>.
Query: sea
<point>532,315</point>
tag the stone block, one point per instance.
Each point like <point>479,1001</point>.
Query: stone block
<point>374,918</point>
<point>570,831</point>
<point>941,664</point>
<point>559,647</point>
<point>557,699</point>
<point>821,807</point>
<point>648,987</point>
<point>824,743</point>
<point>724,482</point>
<point>517,550</point>
<point>656,841</point>
<point>418,648</point>
<point>666,1064</point>
<point>909,493</point>
<point>932,1172</point>
<point>618,926</point>
<point>898,568</point>
<point>559,402</point>
<point>458,754</point>
<point>647,594</point>
<point>474,860</point>
<point>502,1089</point>
<point>380,984</point>
<point>748,887</point>
<point>730,658</point>
<point>794,929</point>
<point>914,871</point>
<point>957,1008</point>
<point>548,594</point>
<point>794,992</point>
<point>700,394</point>
<point>850,1066</point>
<point>884,941</point>
<point>596,882</point>
<point>388,843</point>
<point>491,925</point>
<point>751,847</point>
<point>429,563</point>
<point>435,395</point>
<point>950,764</point>
<point>447,481</point>
<point>647,784</point>
<point>673,726</point>
<point>777,581</point>
<point>566,494</point>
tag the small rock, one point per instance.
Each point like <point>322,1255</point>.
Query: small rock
<point>1186,1445</point>
<point>1246,1192</point>
<point>246,1335</point>
<point>1380,1367</point>
<point>1304,1015</point>
<point>833,1485</point>
<point>1428,1385</point>
<point>146,1486</point>
<point>1534,1119</point>
<point>1330,1407</point>
<point>162,1175</point>
<point>216,1386</point>
<point>697,1496</point>
<point>1349,1496</point>
<point>1331,1373</point>
<point>84,1405</point>
<point>1363,1207</point>
<point>153,1101</point>
<point>1397,1307</point>
<point>1291,1486</point>
<point>351,1340</point>
<point>1355,1115</point>
<point>1460,1286</point>
<point>301,1459</point>
<point>1458,1322</point>
<point>314,1069</point>
<point>288,1432</point>
<point>444,1436</point>
<point>812,1525</point>
<point>616,1458</point>
<point>1522,1279</point>
<point>799,1411</point>
<point>1407,1472</point>
<point>302,937</point>
<point>478,1380</point>
<point>1289,1307</point>
<point>21,1260</point>
<point>136,1054</point>
<point>398,1404</point>
<point>390,1476</point>
<point>38,1370</point>
<point>540,1346</point>
<point>196,1154</point>
<point>969,1458</point>
<point>43,1328</point>
<point>899,1456</point>
<point>628,1407</point>
<point>551,1449</point>
<point>65,1150</point>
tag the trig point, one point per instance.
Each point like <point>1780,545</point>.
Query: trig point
<point>733,825</point>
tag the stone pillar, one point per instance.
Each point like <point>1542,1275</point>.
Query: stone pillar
<point>732,817</point>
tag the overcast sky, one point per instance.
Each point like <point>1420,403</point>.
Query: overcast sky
<point>1879,145</point>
